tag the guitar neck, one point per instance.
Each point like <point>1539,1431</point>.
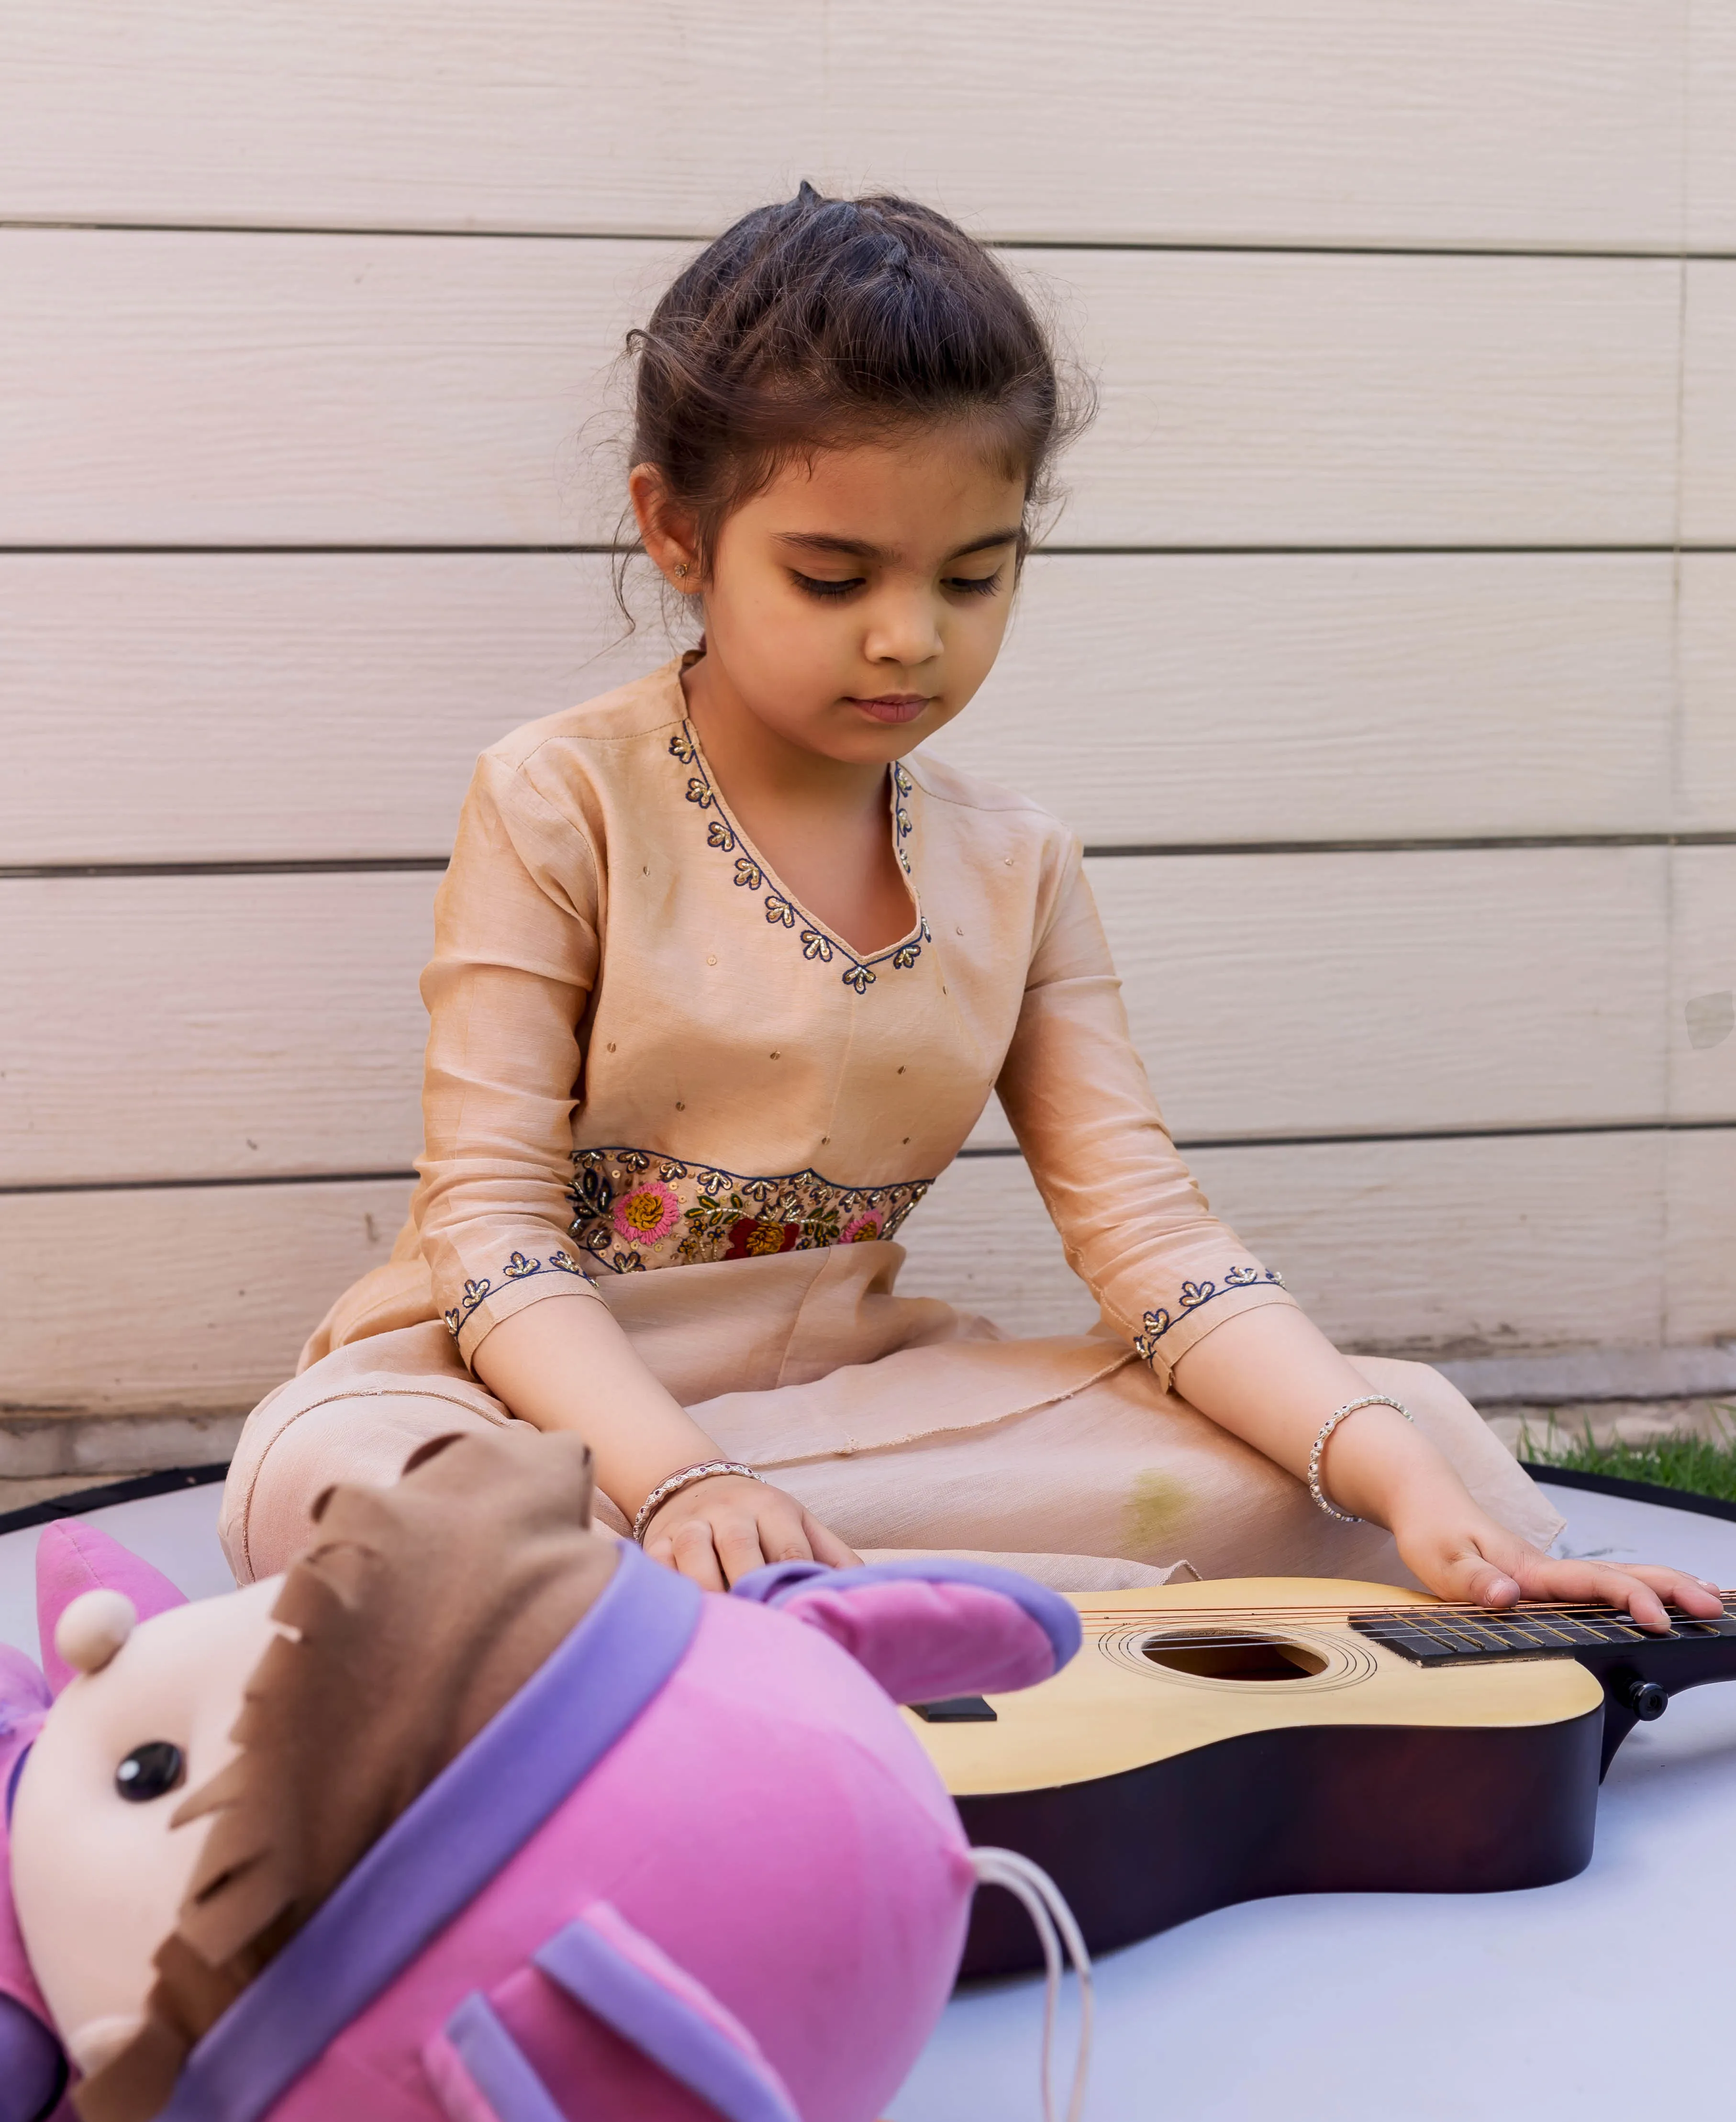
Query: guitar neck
<point>1639,1671</point>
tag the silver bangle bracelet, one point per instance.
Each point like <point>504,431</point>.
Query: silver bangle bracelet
<point>1326,1428</point>
<point>688,1477</point>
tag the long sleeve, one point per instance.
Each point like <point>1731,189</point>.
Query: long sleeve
<point>515,957</point>
<point>1135,1227</point>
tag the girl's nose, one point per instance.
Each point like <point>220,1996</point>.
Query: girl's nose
<point>905,632</point>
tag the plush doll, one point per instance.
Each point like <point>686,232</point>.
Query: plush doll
<point>478,1815</point>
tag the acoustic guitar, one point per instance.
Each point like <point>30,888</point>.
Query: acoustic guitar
<point>1218,1742</point>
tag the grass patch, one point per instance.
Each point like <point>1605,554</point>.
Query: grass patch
<point>1701,1465</point>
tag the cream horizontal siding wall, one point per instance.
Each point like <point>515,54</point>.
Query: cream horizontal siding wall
<point>1570,125</point>
<point>1383,657</point>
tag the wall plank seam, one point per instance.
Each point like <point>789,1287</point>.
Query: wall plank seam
<point>1188,1144</point>
<point>1683,253</point>
<point>580,550</point>
<point>408,865</point>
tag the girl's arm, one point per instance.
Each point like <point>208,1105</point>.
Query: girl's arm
<point>517,954</point>
<point>1211,1319</point>
<point>570,1366</point>
<point>1272,1378</point>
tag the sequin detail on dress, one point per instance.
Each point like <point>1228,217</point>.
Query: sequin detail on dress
<point>634,1210</point>
<point>1193,1294</point>
<point>782,913</point>
<point>517,1269</point>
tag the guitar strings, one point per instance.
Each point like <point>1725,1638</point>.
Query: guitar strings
<point>1158,1648</point>
<point>1385,1616</point>
<point>1562,1609</point>
<point>1215,1627</point>
<point>1241,1640</point>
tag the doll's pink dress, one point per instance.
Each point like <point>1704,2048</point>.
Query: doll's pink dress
<point>656,1082</point>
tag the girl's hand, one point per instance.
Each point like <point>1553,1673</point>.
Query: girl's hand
<point>1475,1560</point>
<point>717,1530</point>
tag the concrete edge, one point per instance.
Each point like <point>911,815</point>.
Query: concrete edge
<point>1594,1374</point>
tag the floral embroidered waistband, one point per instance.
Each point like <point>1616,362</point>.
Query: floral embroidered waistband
<point>634,1210</point>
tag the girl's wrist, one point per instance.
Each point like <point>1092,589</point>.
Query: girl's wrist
<point>681,1482</point>
<point>1388,1473</point>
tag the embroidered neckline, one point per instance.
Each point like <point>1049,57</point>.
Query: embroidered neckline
<point>820,945</point>
<point>516,1269</point>
<point>1192,1295</point>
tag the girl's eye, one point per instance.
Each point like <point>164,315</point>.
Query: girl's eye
<point>149,1771</point>
<point>816,588</point>
<point>975,584</point>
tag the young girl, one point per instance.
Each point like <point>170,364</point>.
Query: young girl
<point>725,970</point>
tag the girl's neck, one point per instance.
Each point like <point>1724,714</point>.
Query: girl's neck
<point>822,825</point>
<point>759,770</point>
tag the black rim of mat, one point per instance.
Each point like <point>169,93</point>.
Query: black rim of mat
<point>134,1490</point>
<point>1635,1492</point>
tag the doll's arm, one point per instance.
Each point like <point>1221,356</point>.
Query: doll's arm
<point>1271,1378</point>
<point>930,1626</point>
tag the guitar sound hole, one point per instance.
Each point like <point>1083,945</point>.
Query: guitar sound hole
<point>1229,1656</point>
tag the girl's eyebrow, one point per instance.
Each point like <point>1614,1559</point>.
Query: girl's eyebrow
<point>859,549</point>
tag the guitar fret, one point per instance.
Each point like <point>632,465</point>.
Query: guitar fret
<point>1435,1636</point>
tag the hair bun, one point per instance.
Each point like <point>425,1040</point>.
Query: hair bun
<point>817,322</point>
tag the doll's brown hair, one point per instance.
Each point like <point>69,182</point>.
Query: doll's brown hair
<point>415,1615</point>
<point>820,322</point>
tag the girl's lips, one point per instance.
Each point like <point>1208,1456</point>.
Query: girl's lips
<point>892,706</point>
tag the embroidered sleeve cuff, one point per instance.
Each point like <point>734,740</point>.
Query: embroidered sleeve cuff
<point>522,1279</point>
<point>1168,1333</point>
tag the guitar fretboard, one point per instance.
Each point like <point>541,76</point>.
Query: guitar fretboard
<point>1443,1635</point>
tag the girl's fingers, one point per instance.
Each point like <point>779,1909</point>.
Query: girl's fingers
<point>719,1547</point>
<point>1693,1595</point>
<point>1597,1583</point>
<point>1612,1587</point>
<point>742,1544</point>
<point>696,1556</point>
<point>783,1530</point>
<point>1517,1572</point>
<point>826,1546</point>
<point>1641,1591</point>
<point>1476,1580</point>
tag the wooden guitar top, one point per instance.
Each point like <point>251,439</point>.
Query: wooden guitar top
<point>1114,1709</point>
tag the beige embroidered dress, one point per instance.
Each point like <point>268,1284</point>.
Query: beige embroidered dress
<point>654,1082</point>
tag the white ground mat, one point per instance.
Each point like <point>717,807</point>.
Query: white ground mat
<point>1602,1999</point>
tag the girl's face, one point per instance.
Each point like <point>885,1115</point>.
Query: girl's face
<point>855,606</point>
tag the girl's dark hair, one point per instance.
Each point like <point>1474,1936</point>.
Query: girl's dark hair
<point>818,322</point>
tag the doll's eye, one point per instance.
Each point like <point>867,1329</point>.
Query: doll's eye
<point>149,1771</point>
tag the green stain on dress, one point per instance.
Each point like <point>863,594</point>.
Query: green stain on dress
<point>1155,1509</point>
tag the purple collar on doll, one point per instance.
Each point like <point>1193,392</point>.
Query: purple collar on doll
<point>444,1848</point>
<point>779,1583</point>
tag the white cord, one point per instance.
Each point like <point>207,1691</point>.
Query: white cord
<point>1046,1905</point>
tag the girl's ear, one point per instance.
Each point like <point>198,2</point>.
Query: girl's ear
<point>929,1628</point>
<point>669,534</point>
<point>74,1558</point>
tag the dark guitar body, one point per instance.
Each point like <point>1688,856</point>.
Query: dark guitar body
<point>1341,1808</point>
